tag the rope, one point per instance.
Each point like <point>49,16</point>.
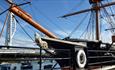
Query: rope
<point>86,27</point>
<point>112,11</point>
<point>100,29</point>
<point>4,25</point>
<point>109,20</point>
<point>77,5</point>
<point>24,30</point>
<point>78,25</point>
<point>56,25</point>
<point>47,25</point>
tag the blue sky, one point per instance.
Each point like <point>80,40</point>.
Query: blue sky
<point>47,13</point>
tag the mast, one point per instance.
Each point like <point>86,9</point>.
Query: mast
<point>97,25</point>
<point>95,5</point>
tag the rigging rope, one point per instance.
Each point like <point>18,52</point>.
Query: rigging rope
<point>56,25</point>
<point>108,18</point>
<point>33,13</point>
<point>86,29</point>
<point>32,10</point>
<point>100,27</point>
<point>71,33</point>
<point>0,9</point>
<point>112,12</point>
<point>4,25</point>
<point>93,29</point>
<point>36,44</point>
<point>79,4</point>
<point>22,40</point>
<point>24,30</point>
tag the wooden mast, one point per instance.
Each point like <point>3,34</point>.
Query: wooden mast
<point>97,30</point>
<point>96,7</point>
<point>97,25</point>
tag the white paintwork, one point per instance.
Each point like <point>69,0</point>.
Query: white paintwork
<point>79,53</point>
<point>66,42</point>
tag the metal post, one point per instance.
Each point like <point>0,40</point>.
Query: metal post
<point>40,58</point>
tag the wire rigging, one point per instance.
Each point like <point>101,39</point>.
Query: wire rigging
<point>0,9</point>
<point>112,11</point>
<point>100,26</point>
<point>86,29</point>
<point>73,31</point>
<point>33,10</point>
<point>4,25</point>
<point>56,25</point>
<point>90,29</point>
<point>108,18</point>
<point>24,41</point>
<point>79,4</point>
<point>24,30</point>
<point>93,28</point>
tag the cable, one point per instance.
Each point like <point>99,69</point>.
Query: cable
<point>90,29</point>
<point>79,4</point>
<point>23,40</point>
<point>109,20</point>
<point>27,33</point>
<point>100,29</point>
<point>4,25</point>
<point>86,27</point>
<point>93,26</point>
<point>0,9</point>
<point>56,25</point>
<point>24,30</point>
<point>78,25</point>
<point>112,11</point>
<point>108,17</point>
<point>32,9</point>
